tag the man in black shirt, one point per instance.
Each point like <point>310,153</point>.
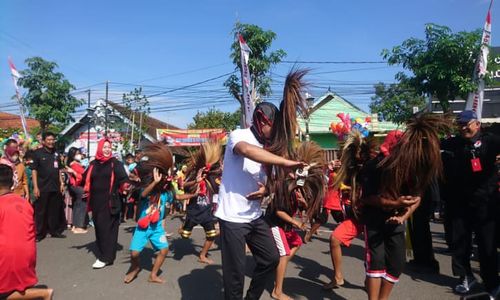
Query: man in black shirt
<point>473,202</point>
<point>47,188</point>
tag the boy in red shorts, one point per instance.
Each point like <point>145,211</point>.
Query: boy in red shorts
<point>287,239</point>
<point>343,235</point>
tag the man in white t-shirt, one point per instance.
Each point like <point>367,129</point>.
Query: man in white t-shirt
<point>239,205</point>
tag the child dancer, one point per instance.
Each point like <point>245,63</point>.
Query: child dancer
<point>302,190</point>
<point>357,150</point>
<point>201,184</point>
<point>152,203</point>
<point>391,192</point>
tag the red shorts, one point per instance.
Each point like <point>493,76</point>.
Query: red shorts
<point>347,231</point>
<point>285,240</point>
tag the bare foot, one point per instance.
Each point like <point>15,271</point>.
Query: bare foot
<point>205,260</point>
<point>50,294</point>
<point>280,296</point>
<point>333,284</point>
<point>131,275</point>
<point>155,279</point>
<point>308,236</point>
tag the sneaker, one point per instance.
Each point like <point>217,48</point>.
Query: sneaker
<point>98,264</point>
<point>466,283</point>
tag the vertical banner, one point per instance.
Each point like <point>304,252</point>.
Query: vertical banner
<point>245,78</point>
<point>15,77</point>
<point>475,99</point>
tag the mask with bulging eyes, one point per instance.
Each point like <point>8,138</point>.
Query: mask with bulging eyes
<point>302,173</point>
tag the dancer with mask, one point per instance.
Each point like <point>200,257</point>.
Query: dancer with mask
<point>240,216</point>
<point>201,184</point>
<point>392,187</point>
<point>154,196</point>
<point>356,152</point>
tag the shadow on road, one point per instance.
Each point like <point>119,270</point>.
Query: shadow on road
<point>438,279</point>
<point>204,283</point>
<point>182,247</point>
<point>295,287</point>
<point>92,247</point>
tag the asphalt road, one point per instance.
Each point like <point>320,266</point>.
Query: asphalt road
<point>65,265</point>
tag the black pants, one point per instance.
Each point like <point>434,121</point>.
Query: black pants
<point>106,234</point>
<point>480,219</point>
<point>48,210</point>
<point>420,232</point>
<point>79,206</point>
<point>258,237</point>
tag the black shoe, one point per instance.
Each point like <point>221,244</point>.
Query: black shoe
<point>58,236</point>
<point>38,239</point>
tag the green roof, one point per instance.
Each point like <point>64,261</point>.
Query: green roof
<point>325,111</point>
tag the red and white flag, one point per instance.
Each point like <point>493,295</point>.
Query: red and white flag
<point>15,74</point>
<point>15,77</point>
<point>475,99</point>
<point>248,103</point>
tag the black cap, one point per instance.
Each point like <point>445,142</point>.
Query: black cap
<point>466,116</point>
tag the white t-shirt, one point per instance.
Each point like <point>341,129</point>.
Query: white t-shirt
<point>239,178</point>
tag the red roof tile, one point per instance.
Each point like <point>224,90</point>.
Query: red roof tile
<point>14,121</point>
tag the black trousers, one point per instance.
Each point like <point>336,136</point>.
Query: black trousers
<point>106,234</point>
<point>48,212</point>
<point>420,232</point>
<point>257,235</point>
<point>481,219</point>
<point>79,206</point>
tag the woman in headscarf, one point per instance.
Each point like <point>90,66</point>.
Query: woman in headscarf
<point>101,181</point>
<point>11,158</point>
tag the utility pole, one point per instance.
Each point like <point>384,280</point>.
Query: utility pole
<point>88,129</point>
<point>106,111</point>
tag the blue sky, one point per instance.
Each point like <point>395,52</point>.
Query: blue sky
<point>170,44</point>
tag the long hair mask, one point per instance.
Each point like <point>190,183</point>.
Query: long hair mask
<point>416,159</point>
<point>285,125</point>
<point>356,151</point>
<point>158,156</point>
<point>208,159</point>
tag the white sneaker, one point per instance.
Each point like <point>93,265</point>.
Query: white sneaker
<point>465,285</point>
<point>98,264</point>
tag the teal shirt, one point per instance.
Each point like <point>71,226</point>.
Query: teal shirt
<point>165,197</point>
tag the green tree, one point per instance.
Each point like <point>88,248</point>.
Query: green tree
<point>214,118</point>
<point>261,60</point>
<point>395,102</point>
<point>48,98</point>
<point>441,65</point>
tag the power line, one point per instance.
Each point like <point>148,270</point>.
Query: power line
<point>331,62</point>
<point>185,72</point>
<point>191,85</point>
